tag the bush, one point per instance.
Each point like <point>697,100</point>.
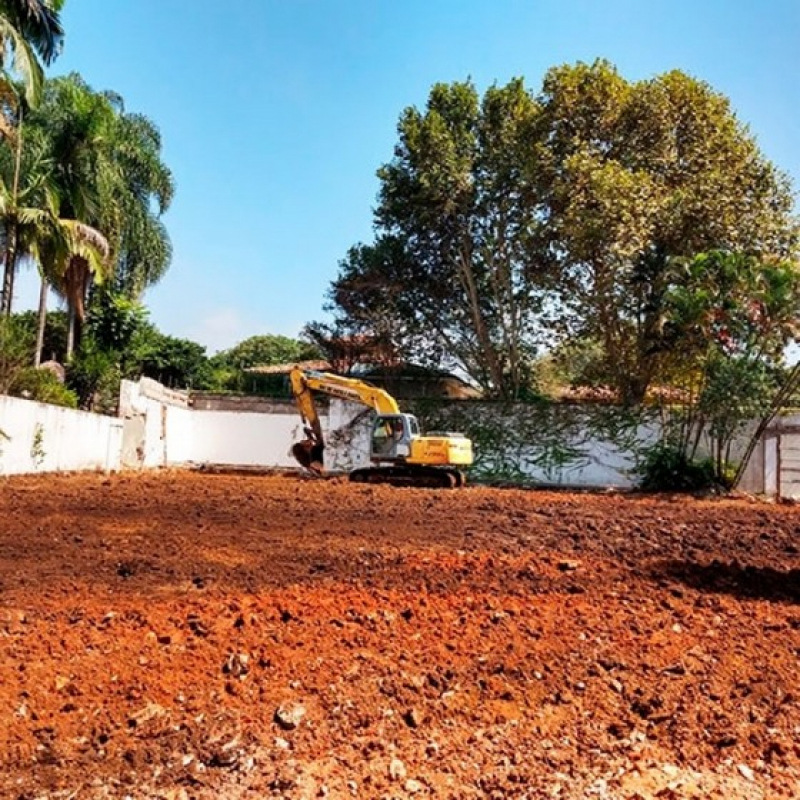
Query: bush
<point>666,468</point>
<point>43,386</point>
<point>94,376</point>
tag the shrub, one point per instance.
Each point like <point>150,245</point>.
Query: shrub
<point>667,468</point>
<point>43,386</point>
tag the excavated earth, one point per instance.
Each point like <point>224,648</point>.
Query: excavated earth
<point>187,635</point>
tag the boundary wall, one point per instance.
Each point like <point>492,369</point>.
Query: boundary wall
<point>158,427</point>
<point>38,437</point>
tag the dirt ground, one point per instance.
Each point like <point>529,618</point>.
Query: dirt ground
<point>184,635</point>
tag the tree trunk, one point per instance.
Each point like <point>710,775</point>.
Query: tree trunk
<point>8,271</point>
<point>41,321</point>
<point>8,288</point>
<point>71,325</point>
<point>11,233</point>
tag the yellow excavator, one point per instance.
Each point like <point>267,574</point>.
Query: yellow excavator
<point>400,455</point>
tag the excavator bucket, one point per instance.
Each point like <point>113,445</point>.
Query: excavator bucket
<point>308,455</point>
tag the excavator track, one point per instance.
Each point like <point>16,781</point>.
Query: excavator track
<point>404,475</point>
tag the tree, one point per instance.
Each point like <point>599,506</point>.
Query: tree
<point>519,221</point>
<point>29,30</point>
<point>374,319</point>
<point>458,225</point>
<point>264,350</point>
<point>230,366</point>
<point>110,178</point>
<point>730,317</point>
<point>639,174</point>
<point>112,323</point>
<point>27,202</point>
<point>177,363</point>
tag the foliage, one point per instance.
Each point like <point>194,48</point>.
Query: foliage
<point>55,335</point>
<point>114,319</point>
<point>448,277</point>
<point>176,363</point>
<point>16,350</point>
<point>107,185</point>
<point>574,362</point>
<point>730,317</point>
<point>511,441</point>
<point>643,174</point>
<point>667,468</point>
<point>37,445</point>
<point>230,366</point>
<point>94,376</point>
<point>29,30</point>
<point>35,383</point>
<point>266,350</point>
<point>512,221</point>
<point>17,377</point>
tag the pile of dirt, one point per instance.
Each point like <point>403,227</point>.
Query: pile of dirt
<point>182,635</point>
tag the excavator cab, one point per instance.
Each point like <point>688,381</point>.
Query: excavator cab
<point>392,435</point>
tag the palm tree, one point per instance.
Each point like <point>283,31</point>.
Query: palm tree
<point>69,254</point>
<point>25,194</point>
<point>109,176</point>
<point>144,188</point>
<point>32,228</point>
<point>29,30</point>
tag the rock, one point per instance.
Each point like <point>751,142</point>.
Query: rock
<point>289,717</point>
<point>568,565</point>
<point>412,786</point>
<point>237,665</point>
<point>746,772</point>
<point>412,718</point>
<point>397,769</point>
<point>150,711</point>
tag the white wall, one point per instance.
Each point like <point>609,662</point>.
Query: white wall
<point>158,428</point>
<point>246,439</point>
<point>37,437</point>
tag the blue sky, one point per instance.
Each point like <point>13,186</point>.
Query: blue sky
<point>275,115</point>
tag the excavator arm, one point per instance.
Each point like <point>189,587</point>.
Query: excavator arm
<point>305,383</point>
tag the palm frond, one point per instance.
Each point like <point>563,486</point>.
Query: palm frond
<point>23,60</point>
<point>39,22</point>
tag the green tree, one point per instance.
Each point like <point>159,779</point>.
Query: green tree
<point>513,221</point>
<point>265,350</point>
<point>112,323</point>
<point>177,363</point>
<point>459,222</point>
<point>54,336</point>
<point>639,174</point>
<point>16,349</point>
<point>29,30</point>
<point>730,318</point>
<point>230,366</point>
<point>109,177</point>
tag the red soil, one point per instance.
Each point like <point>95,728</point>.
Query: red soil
<point>205,636</point>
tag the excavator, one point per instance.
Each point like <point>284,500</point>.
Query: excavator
<point>400,455</point>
